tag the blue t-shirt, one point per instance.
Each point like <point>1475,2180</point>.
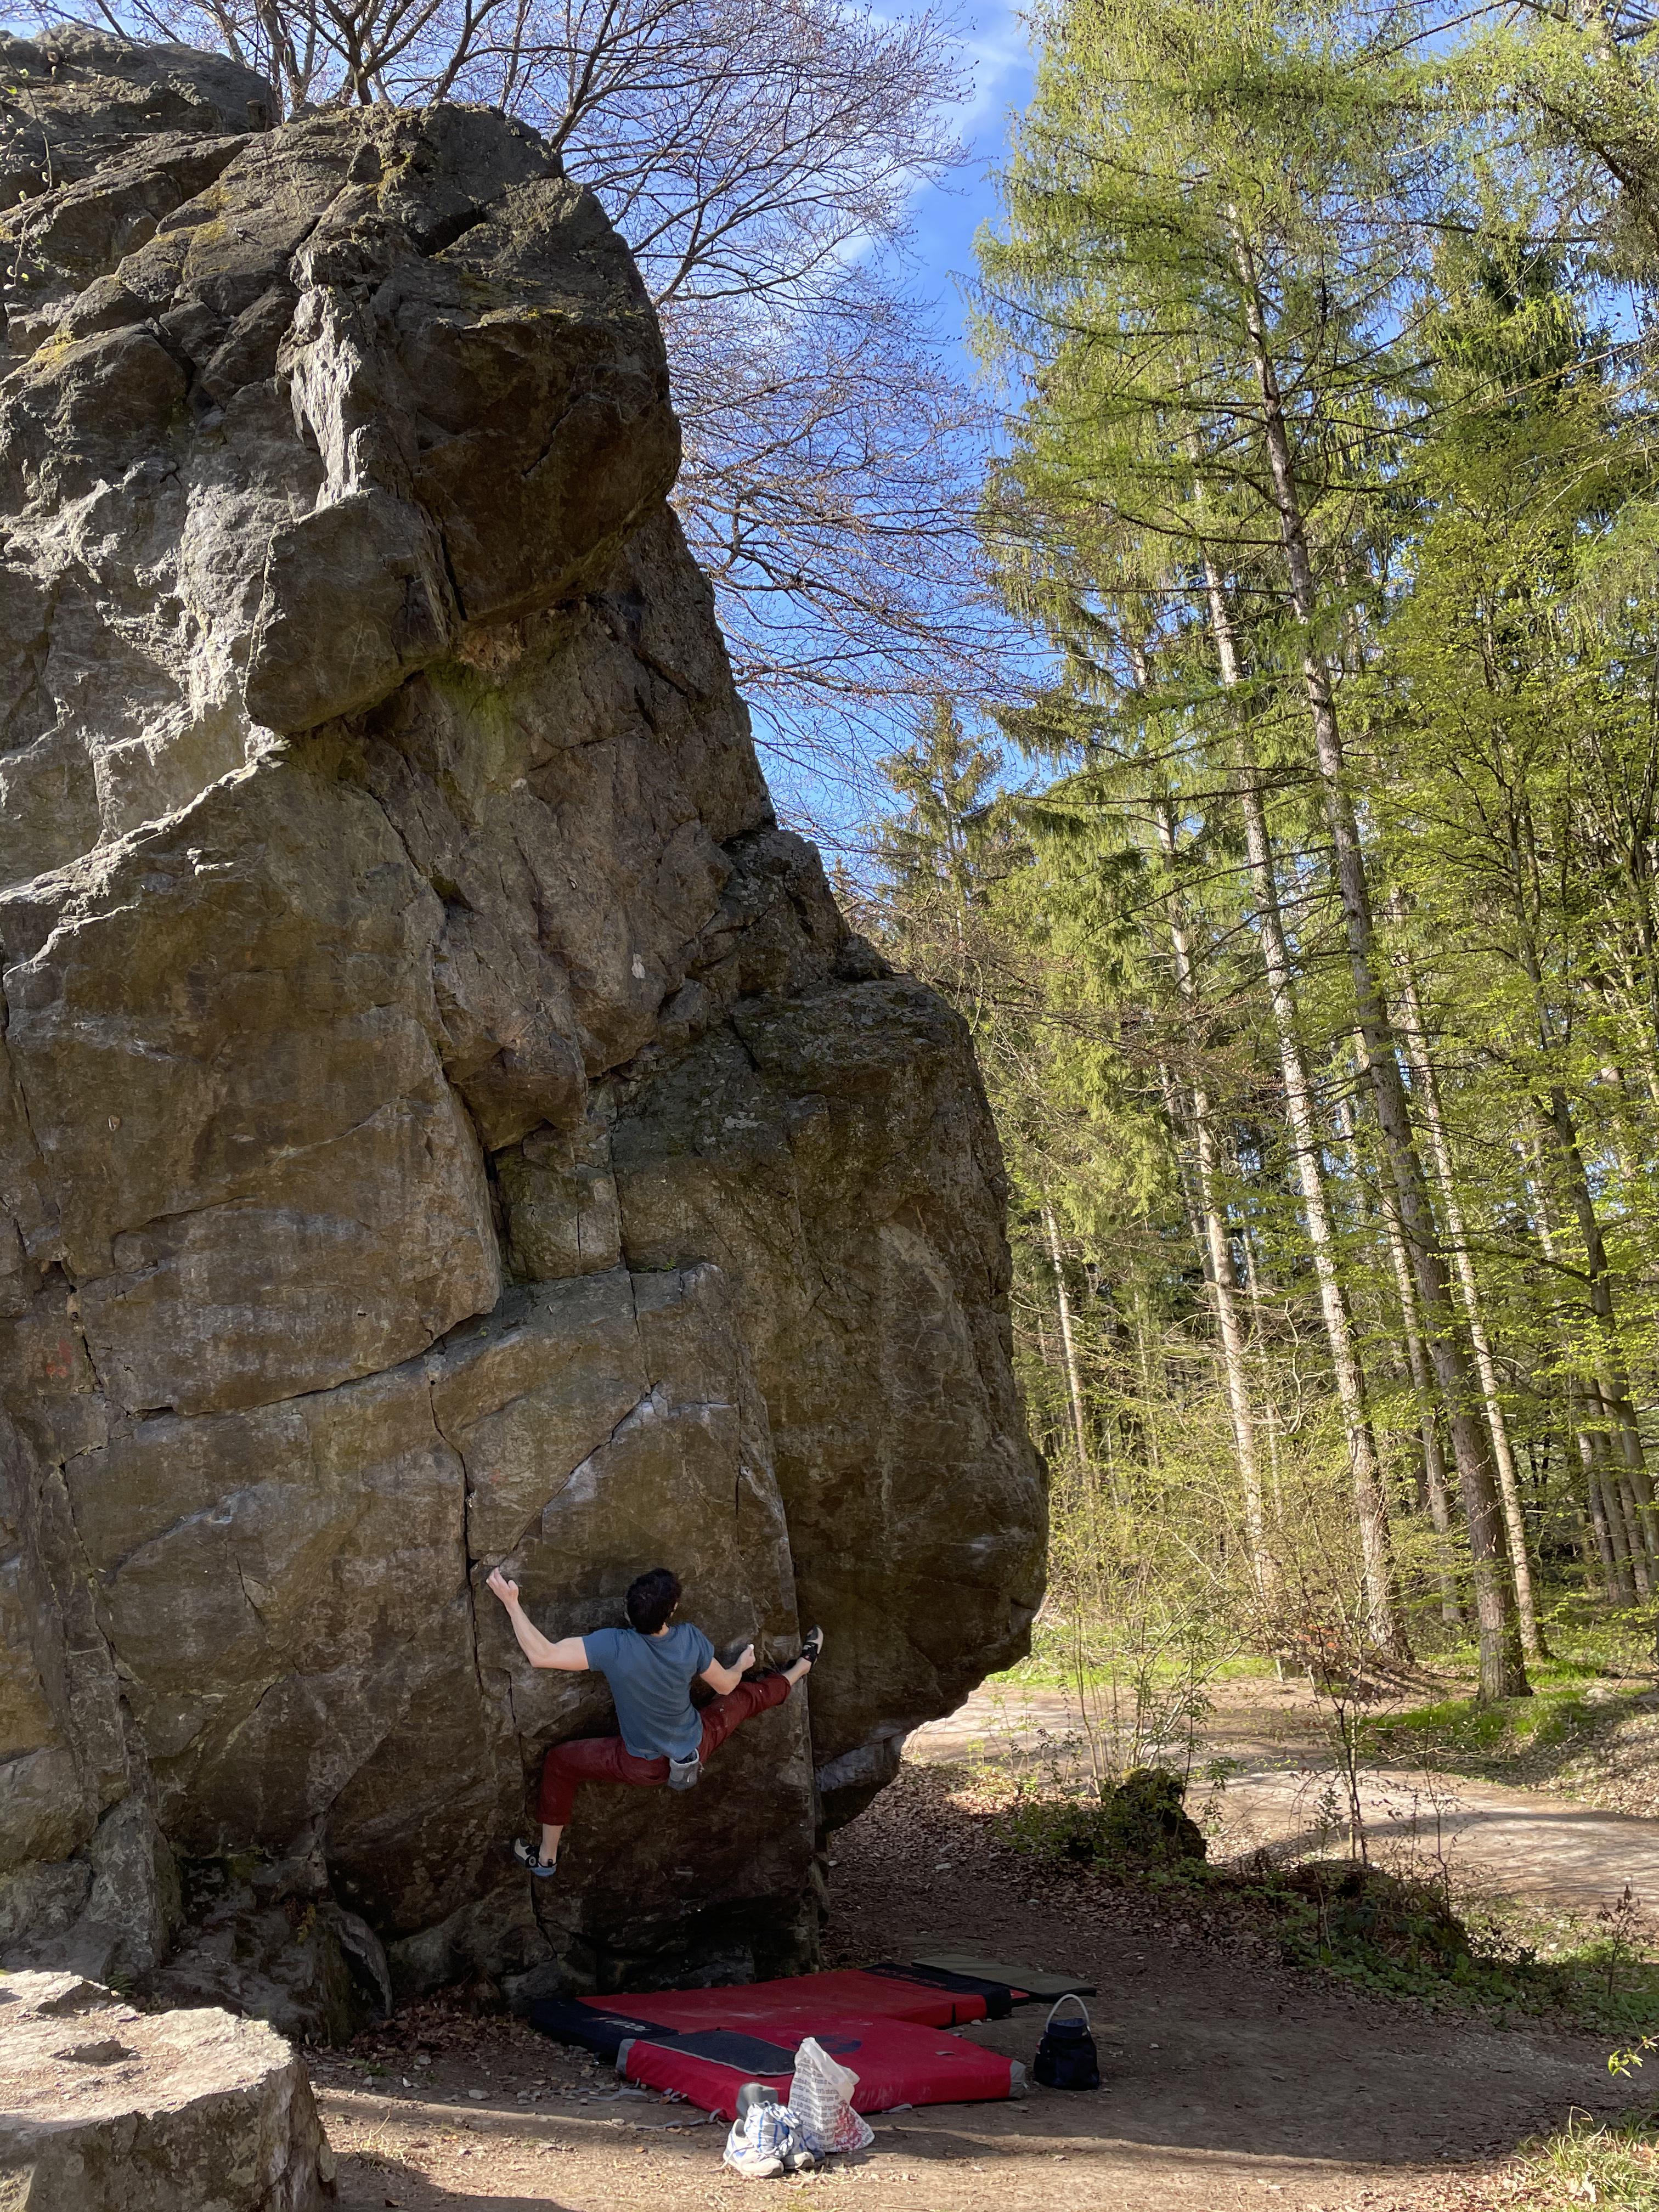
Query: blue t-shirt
<point>651,1678</point>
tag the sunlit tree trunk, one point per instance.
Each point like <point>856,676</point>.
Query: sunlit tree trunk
<point>1260,1292</point>
<point>1384,1619</point>
<point>1503,1668</point>
<point>1428,1415</point>
<point>1067,1338</point>
<point>1589,1427</point>
<point>1602,1530</point>
<point>1421,1063</point>
<point>1556,1121</point>
<point>1411,1369</point>
<point>1220,1275</point>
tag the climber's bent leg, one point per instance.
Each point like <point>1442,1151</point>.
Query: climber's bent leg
<point>590,1759</point>
<point>720,1715</point>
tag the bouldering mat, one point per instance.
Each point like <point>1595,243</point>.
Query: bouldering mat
<point>1007,1973</point>
<point>795,2004</point>
<point>706,2043</point>
<point>1000,1997</point>
<point>887,1992</point>
<point>596,2025</point>
<point>896,2063</point>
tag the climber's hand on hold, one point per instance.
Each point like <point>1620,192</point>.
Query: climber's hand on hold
<point>569,1654</point>
<point>723,1676</point>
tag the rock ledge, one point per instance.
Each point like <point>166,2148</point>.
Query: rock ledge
<point>105,2109</point>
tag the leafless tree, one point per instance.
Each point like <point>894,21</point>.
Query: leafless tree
<point>832,463</point>
<point>759,156</point>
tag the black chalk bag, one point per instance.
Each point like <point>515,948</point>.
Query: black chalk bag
<point>1065,2057</point>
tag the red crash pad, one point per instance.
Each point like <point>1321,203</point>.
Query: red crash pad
<point>941,2002</point>
<point>896,2062</point>
<point>885,2022</point>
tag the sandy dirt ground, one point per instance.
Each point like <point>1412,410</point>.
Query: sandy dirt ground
<point>1282,1795</point>
<point>1231,2080</point>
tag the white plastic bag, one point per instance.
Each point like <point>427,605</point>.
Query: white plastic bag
<point>821,2098</point>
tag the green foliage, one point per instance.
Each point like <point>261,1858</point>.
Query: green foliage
<point>1590,2163</point>
<point>1366,1920</point>
<point>1463,1735</point>
<point>1138,1822</point>
<point>1317,334</point>
<point>1395,1933</point>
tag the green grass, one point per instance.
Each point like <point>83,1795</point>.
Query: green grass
<point>1585,2164</point>
<point>1587,1976</point>
<point>1466,1736</point>
<point>1580,1631</point>
<point>1053,1665</point>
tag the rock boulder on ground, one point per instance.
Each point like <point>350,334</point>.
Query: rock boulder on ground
<point>106,2109</point>
<point>444,1120</point>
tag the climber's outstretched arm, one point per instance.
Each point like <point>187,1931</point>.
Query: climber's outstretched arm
<point>721,1679</point>
<point>569,1654</point>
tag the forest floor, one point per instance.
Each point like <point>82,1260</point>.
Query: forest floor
<point>1231,2078</point>
<point>1563,1816</point>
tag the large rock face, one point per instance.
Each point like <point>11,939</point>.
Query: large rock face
<point>443,1119</point>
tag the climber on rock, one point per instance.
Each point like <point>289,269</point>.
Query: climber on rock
<point>650,1665</point>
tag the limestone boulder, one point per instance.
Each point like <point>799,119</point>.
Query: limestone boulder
<point>104,2108</point>
<point>444,1119</point>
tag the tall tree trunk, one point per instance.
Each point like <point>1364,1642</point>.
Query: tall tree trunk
<point>1258,1290</point>
<point>1220,1274</point>
<point>1619,1493</point>
<point>1176,1114</point>
<point>1384,1620</point>
<point>1503,1668</point>
<point>1067,1340</point>
<point>1428,1415</point>
<point>1601,1528</point>
<point>1628,1550</point>
<point>1612,1380</point>
<point>1149,1423</point>
<point>1420,1061</point>
<point>1411,1371</point>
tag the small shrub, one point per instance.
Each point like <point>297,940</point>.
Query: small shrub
<point>1141,1821</point>
<point>1362,1911</point>
<point>1146,1822</point>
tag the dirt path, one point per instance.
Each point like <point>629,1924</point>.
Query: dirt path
<point>1525,1843</point>
<point>1231,2080</point>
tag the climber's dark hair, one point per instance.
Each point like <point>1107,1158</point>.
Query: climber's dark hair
<point>652,1599</point>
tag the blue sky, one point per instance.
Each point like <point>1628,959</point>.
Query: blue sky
<point>943,220</point>
<point>947,215</point>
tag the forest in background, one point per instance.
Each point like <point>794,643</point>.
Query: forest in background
<point>1305,916</point>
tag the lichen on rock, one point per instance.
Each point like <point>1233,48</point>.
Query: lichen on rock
<point>443,1118</point>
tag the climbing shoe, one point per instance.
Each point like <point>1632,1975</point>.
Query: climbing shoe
<point>812,1646</point>
<point>527,1856</point>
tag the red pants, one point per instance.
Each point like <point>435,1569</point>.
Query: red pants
<point>602,1757</point>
